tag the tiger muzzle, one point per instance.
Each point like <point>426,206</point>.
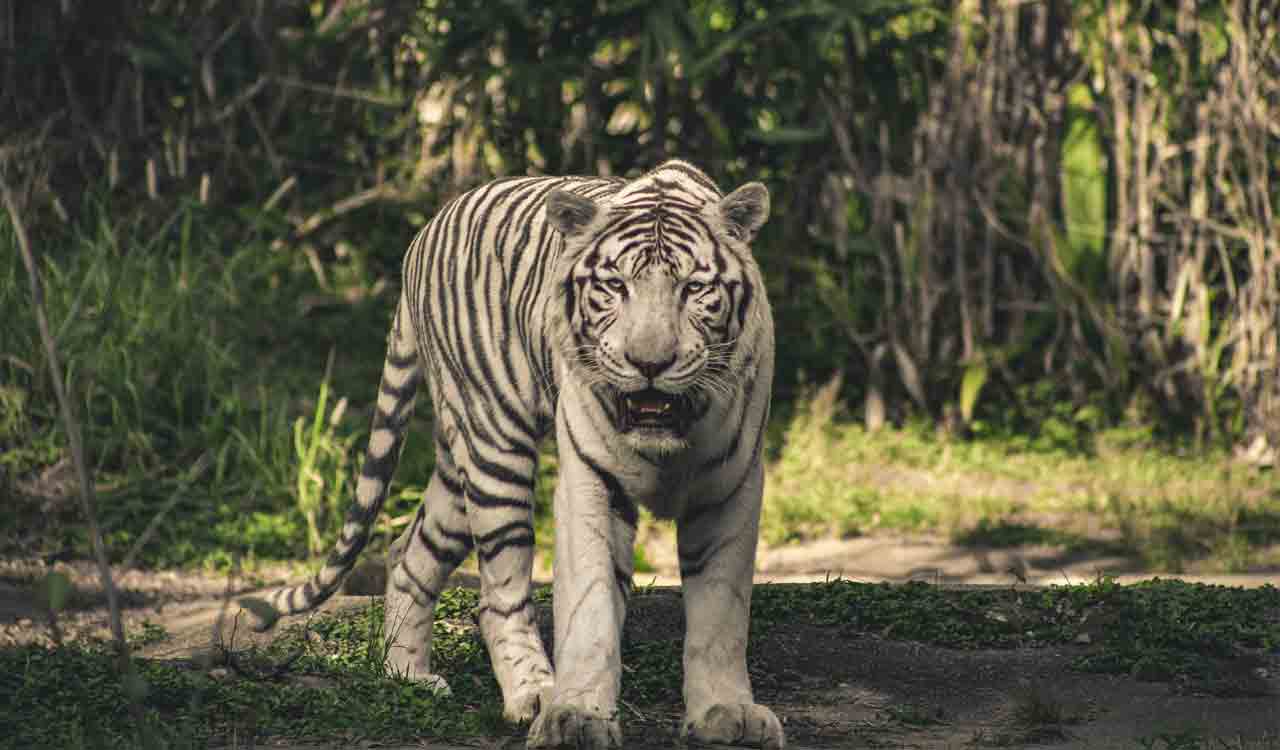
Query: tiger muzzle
<point>657,411</point>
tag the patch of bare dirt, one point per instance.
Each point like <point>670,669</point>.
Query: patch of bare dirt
<point>167,598</point>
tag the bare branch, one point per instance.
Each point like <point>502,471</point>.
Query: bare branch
<point>72,426</point>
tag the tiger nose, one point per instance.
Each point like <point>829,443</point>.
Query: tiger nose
<point>650,368</point>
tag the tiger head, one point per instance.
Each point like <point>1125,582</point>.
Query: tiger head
<point>659,299</point>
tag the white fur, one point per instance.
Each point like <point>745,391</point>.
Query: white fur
<point>495,393</point>
<point>668,478</point>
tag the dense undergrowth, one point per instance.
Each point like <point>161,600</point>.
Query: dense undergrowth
<point>227,390</point>
<point>177,347</point>
<point>222,351</point>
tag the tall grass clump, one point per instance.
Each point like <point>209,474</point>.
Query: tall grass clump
<point>808,491</point>
<point>174,345</point>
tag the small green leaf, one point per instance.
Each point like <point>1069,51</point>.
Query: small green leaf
<point>56,589</point>
<point>975,376</point>
<point>782,135</point>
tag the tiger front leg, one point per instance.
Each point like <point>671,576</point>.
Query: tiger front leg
<point>595,533</point>
<point>717,547</point>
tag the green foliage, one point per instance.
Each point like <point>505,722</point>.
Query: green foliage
<point>333,129</point>
<point>168,357</point>
<point>1084,193</point>
<point>240,103</point>
<point>322,482</point>
<point>54,590</point>
<point>975,376</point>
<point>1181,623</point>
<point>1157,630</point>
<point>328,131</point>
<point>1051,474</point>
<point>80,701</point>
<point>652,671</point>
<point>71,697</point>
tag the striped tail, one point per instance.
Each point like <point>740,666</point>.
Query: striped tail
<point>401,374</point>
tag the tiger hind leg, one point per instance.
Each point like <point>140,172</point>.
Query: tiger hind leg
<point>430,550</point>
<point>503,530</point>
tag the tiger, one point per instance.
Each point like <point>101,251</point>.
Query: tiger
<point>629,320</point>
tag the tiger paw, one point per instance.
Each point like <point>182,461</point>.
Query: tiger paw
<point>410,665</point>
<point>746,724</point>
<point>565,726</point>
<point>522,705</point>
<point>437,685</point>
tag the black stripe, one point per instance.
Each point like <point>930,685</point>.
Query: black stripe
<point>719,460</point>
<point>505,528</point>
<point>696,564</point>
<point>519,606</point>
<point>449,557</point>
<point>418,583</point>
<point>690,172</point>
<point>619,504</point>
<point>696,513</point>
<point>501,473</point>
<point>623,581</point>
<point>400,393</point>
<point>401,362</point>
<point>451,484</point>
<point>488,553</point>
<point>486,500</point>
<point>382,468</point>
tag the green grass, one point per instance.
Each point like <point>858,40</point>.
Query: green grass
<point>1161,616</point>
<point>1114,491</point>
<point>337,688</point>
<point>77,700</point>
<point>176,345</point>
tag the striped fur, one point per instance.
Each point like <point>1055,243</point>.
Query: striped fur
<point>629,320</point>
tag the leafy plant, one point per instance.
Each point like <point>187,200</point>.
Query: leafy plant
<point>322,483</point>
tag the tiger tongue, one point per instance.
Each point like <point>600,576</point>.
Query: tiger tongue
<point>649,406</point>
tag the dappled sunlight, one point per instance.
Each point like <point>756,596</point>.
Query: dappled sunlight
<point>1166,510</point>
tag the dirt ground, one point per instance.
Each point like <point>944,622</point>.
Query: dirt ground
<point>832,688</point>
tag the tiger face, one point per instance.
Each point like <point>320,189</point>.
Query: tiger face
<point>655,296</point>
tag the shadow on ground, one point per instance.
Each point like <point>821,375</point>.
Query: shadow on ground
<point>835,686</point>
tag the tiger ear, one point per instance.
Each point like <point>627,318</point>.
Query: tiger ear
<point>745,210</point>
<point>570,213</point>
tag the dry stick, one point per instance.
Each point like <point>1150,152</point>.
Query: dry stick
<point>351,203</point>
<point>73,436</point>
<point>340,92</point>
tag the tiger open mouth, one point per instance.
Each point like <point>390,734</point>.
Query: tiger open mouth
<point>654,410</point>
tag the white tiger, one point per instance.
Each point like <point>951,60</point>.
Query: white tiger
<point>630,316</point>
